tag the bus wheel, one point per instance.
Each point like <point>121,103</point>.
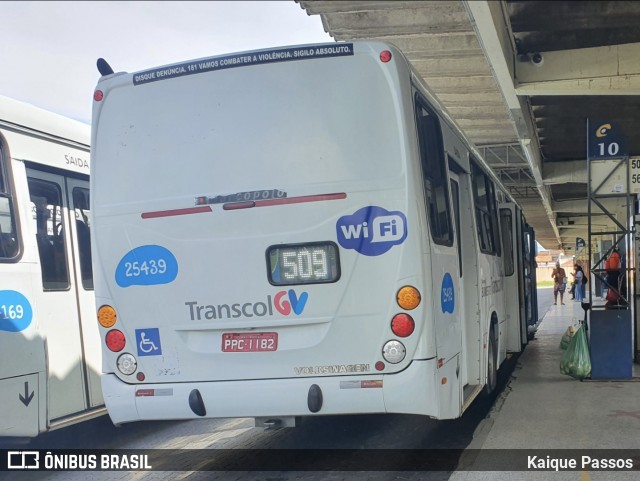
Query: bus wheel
<point>492,364</point>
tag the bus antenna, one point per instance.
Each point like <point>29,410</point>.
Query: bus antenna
<point>103,67</point>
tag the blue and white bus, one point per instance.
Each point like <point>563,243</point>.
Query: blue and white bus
<point>297,231</point>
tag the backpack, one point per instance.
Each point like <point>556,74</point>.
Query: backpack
<point>613,262</point>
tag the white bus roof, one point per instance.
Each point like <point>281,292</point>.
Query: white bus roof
<point>25,115</point>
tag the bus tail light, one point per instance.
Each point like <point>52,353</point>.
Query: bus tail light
<point>115,340</point>
<point>107,316</point>
<point>127,364</point>
<point>394,352</point>
<point>385,56</point>
<point>408,297</point>
<point>402,325</point>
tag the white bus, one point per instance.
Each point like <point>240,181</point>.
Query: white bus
<point>296,231</point>
<point>49,340</point>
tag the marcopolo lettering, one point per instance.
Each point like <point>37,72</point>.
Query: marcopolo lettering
<point>252,195</point>
<point>284,302</point>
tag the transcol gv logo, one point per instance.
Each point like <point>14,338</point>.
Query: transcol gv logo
<point>295,303</point>
<point>372,230</point>
<point>284,302</point>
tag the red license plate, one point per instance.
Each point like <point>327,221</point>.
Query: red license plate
<point>249,342</point>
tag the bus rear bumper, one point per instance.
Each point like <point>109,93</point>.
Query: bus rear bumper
<point>404,392</point>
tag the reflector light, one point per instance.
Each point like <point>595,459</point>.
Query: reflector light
<point>370,384</point>
<point>408,297</point>
<point>140,376</point>
<point>402,325</point>
<point>145,392</point>
<point>98,95</point>
<point>385,56</point>
<point>115,340</point>
<point>107,316</point>
<point>127,364</point>
<point>394,352</point>
<point>379,366</point>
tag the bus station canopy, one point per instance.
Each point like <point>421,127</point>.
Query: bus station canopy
<point>521,79</point>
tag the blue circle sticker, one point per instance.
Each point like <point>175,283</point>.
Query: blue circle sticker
<point>147,266</point>
<point>447,294</point>
<point>15,311</point>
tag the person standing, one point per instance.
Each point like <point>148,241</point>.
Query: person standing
<point>559,275</point>
<point>579,291</point>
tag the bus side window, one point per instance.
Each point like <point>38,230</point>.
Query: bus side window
<point>81,205</point>
<point>47,204</point>
<point>506,224</point>
<point>434,175</point>
<point>486,211</point>
<point>8,241</point>
<point>9,246</point>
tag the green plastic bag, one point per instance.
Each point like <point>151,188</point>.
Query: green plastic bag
<point>567,336</point>
<point>576,361</point>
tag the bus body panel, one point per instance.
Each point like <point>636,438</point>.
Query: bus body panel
<point>20,419</point>
<point>404,392</point>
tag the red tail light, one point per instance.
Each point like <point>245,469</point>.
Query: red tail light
<point>402,325</point>
<point>115,340</point>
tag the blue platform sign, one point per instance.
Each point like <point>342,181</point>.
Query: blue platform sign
<point>605,140</point>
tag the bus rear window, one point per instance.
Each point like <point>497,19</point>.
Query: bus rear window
<point>218,133</point>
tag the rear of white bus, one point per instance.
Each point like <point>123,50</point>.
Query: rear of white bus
<point>258,233</point>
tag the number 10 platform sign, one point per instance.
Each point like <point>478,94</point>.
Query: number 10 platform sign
<point>607,155</point>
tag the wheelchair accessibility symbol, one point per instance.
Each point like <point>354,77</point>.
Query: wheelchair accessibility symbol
<point>148,342</point>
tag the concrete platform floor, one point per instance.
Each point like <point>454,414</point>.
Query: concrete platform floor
<point>542,409</point>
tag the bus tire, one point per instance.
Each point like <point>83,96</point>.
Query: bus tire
<point>492,363</point>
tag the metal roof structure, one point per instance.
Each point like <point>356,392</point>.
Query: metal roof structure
<point>520,78</point>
